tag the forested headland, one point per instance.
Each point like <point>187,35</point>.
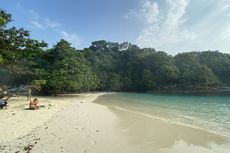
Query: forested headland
<point>103,66</point>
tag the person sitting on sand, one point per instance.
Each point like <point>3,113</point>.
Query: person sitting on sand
<point>34,104</point>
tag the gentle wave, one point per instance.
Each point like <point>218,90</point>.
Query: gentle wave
<point>169,121</point>
<point>181,146</point>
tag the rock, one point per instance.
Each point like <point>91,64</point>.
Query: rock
<point>28,148</point>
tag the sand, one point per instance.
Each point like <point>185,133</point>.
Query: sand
<point>72,124</point>
<point>76,125</point>
<point>151,135</point>
<point>17,120</point>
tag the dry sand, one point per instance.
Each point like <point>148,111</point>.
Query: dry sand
<point>17,120</point>
<point>72,124</point>
<point>76,125</point>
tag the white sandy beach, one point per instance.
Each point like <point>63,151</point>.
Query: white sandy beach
<point>64,125</point>
<point>76,125</point>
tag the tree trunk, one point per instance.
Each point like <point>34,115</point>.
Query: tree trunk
<point>2,93</point>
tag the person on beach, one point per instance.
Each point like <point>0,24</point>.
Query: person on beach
<point>29,94</point>
<point>3,104</point>
<point>34,104</point>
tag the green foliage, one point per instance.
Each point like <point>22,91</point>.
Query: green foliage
<point>66,70</point>
<point>1,60</point>
<point>4,18</point>
<point>218,62</point>
<point>192,72</point>
<point>114,83</point>
<point>2,21</point>
<point>149,81</point>
<point>106,66</point>
<point>39,83</point>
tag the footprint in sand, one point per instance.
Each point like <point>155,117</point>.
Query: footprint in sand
<point>93,142</point>
<point>84,151</point>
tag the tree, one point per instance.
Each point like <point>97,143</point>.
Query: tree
<point>149,81</point>
<point>114,83</point>
<point>192,72</point>
<point>103,66</point>
<point>66,70</point>
<point>5,18</point>
<point>17,52</point>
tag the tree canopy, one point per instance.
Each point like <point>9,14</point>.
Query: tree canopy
<point>104,65</point>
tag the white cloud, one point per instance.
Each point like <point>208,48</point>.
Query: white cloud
<point>41,23</point>
<point>177,9</point>
<point>225,34</point>
<point>51,24</point>
<point>226,7</point>
<point>184,25</point>
<point>72,38</point>
<point>168,31</point>
<point>37,24</point>
<point>150,11</point>
<point>224,4</point>
<point>47,24</point>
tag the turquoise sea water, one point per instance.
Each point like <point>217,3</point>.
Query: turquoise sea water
<point>207,111</point>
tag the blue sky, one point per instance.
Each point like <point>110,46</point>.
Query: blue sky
<point>170,25</point>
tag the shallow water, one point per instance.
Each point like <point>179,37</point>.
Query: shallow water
<point>207,111</point>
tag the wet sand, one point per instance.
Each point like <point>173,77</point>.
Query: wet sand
<point>150,135</point>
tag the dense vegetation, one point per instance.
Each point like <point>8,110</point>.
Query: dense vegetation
<point>103,66</point>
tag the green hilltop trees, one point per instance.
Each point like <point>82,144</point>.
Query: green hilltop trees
<point>64,70</point>
<point>104,66</point>
<point>17,53</point>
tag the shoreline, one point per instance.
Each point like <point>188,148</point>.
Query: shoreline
<point>161,119</point>
<point>80,124</point>
<point>168,121</point>
<point>160,137</point>
<point>168,133</point>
